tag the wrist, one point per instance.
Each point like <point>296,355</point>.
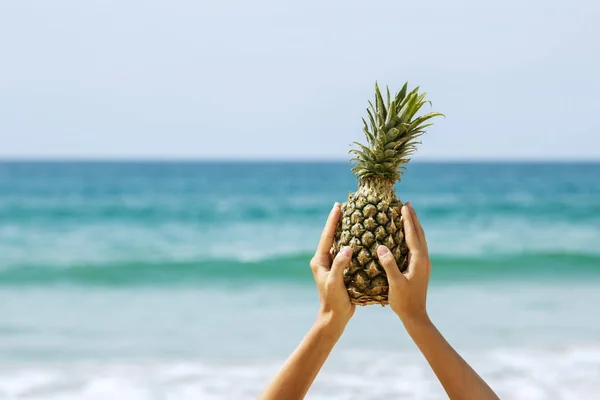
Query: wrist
<point>331,321</point>
<point>415,320</point>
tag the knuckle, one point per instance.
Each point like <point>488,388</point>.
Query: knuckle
<point>343,259</point>
<point>313,264</point>
<point>387,260</point>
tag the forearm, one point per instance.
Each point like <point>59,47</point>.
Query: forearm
<point>459,380</point>
<point>299,371</point>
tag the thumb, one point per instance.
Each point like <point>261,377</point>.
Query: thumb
<point>386,259</point>
<point>340,262</point>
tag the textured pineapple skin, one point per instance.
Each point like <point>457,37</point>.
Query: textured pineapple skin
<point>371,217</point>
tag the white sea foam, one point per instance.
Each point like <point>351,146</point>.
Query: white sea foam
<point>256,241</point>
<point>114,243</point>
<point>489,236</point>
<point>525,339</point>
<point>526,374</point>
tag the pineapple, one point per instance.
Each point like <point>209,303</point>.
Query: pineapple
<point>371,216</point>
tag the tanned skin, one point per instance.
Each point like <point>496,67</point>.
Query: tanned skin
<point>407,298</point>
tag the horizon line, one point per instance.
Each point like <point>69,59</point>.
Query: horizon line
<point>159,159</point>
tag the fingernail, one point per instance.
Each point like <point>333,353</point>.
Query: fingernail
<point>409,205</point>
<point>336,204</point>
<point>382,251</point>
<point>346,251</point>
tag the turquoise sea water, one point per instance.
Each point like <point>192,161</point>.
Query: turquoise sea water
<point>190,280</point>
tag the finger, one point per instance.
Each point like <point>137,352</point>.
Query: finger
<point>329,231</point>
<point>317,264</point>
<point>340,262</point>
<point>418,227</point>
<point>412,239</point>
<point>386,259</point>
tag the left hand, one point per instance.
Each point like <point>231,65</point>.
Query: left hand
<point>336,307</point>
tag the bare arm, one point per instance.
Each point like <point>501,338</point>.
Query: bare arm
<point>457,377</point>
<point>408,296</point>
<point>301,368</point>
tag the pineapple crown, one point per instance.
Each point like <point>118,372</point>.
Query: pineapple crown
<point>391,134</point>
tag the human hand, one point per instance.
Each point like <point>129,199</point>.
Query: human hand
<point>408,296</point>
<point>336,308</point>
<point>408,291</point>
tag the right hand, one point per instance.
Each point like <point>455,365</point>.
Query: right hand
<point>408,291</point>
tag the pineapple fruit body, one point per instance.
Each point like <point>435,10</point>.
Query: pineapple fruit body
<point>371,216</point>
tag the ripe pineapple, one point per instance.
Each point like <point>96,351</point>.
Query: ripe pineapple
<point>371,216</point>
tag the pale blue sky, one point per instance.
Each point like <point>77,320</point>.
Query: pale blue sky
<point>275,79</point>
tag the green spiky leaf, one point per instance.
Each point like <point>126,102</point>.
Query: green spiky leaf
<point>391,131</point>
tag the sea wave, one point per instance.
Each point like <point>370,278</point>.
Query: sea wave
<point>108,242</point>
<point>548,373</point>
<point>293,269</point>
<point>158,209</point>
<point>253,208</point>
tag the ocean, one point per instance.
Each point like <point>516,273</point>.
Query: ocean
<point>190,280</point>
